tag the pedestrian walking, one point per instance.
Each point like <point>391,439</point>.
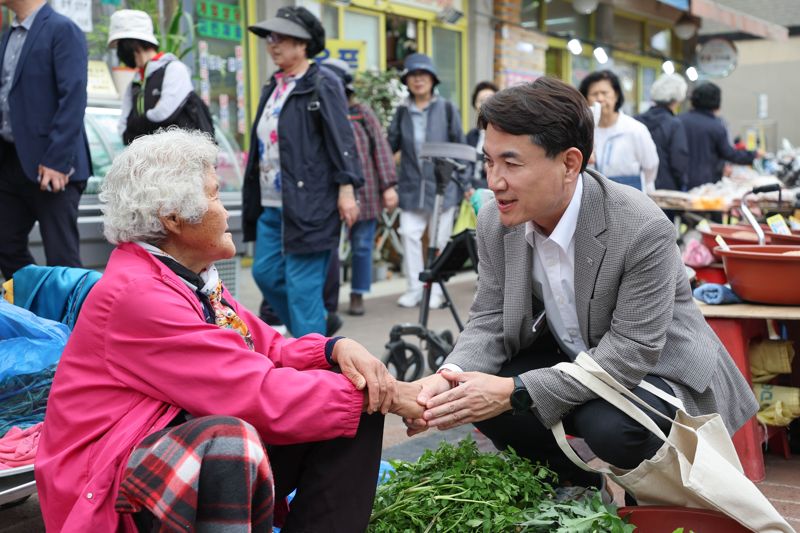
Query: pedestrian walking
<point>301,174</point>
<point>623,149</point>
<point>379,190</point>
<point>423,117</point>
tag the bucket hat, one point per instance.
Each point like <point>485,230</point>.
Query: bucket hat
<point>342,69</point>
<point>297,22</point>
<point>416,62</point>
<point>130,24</point>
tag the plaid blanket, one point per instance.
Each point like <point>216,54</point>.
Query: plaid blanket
<point>210,472</point>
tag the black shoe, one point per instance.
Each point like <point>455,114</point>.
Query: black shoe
<point>333,324</point>
<point>630,501</point>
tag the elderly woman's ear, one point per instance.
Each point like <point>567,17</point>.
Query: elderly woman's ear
<point>172,223</point>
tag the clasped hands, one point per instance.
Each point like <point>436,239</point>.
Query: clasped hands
<point>382,392</point>
<point>433,401</point>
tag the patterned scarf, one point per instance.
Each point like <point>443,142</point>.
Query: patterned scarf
<point>208,288</point>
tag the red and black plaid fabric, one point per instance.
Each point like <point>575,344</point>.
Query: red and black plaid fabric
<point>209,473</point>
<point>376,159</point>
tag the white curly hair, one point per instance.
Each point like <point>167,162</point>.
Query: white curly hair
<point>156,176</point>
<point>668,88</point>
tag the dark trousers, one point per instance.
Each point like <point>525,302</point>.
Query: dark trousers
<point>335,480</point>
<point>22,203</point>
<point>613,436</point>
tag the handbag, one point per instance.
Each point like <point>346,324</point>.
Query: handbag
<point>697,465</point>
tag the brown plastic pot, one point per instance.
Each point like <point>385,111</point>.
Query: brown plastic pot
<point>762,274</point>
<point>658,519</point>
<point>779,238</point>
<point>732,234</point>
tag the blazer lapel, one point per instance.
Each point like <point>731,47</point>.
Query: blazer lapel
<point>589,250</point>
<point>517,311</point>
<point>38,23</point>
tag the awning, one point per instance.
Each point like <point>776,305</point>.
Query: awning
<point>738,21</point>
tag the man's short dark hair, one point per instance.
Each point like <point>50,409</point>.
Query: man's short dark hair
<point>553,114</point>
<point>600,75</point>
<point>707,97</point>
<point>482,86</point>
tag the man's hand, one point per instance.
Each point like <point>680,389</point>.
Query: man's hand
<point>348,208</point>
<point>55,179</point>
<point>390,199</point>
<point>478,397</point>
<point>430,387</point>
<point>365,370</point>
<point>468,193</point>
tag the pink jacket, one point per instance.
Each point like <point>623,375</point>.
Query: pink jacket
<point>141,351</point>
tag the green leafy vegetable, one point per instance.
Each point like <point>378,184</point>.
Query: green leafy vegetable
<point>458,488</point>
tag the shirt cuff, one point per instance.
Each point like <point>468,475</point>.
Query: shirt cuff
<point>329,349</point>
<point>452,368</point>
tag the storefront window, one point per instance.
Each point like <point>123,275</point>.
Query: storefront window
<point>364,27</point>
<point>219,62</point>
<point>648,77</point>
<point>562,19</point>
<point>627,34</point>
<point>531,11</point>
<point>330,21</point>
<point>627,78</point>
<point>447,58</point>
<point>554,61</point>
<point>582,66</point>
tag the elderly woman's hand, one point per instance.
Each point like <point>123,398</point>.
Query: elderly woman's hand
<point>365,370</point>
<point>405,403</point>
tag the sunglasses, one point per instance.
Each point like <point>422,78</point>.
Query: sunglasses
<point>276,38</point>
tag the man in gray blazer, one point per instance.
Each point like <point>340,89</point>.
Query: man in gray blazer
<point>568,262</point>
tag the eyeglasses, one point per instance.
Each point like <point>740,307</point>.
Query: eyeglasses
<point>276,38</point>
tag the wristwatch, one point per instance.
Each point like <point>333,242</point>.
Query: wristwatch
<point>521,401</point>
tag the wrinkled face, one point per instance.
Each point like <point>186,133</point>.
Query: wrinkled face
<point>285,51</point>
<point>209,240</point>
<point>603,92</point>
<point>528,185</point>
<point>420,83</point>
<point>481,97</point>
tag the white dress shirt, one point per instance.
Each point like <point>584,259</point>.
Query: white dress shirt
<point>554,271</point>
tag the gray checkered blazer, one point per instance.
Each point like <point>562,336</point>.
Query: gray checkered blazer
<point>634,305</point>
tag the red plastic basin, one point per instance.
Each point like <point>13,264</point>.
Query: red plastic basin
<point>732,234</point>
<point>763,274</point>
<point>658,519</point>
<point>778,238</point>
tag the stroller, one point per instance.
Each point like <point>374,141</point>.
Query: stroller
<point>404,359</point>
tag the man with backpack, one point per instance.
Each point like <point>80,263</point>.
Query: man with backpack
<point>161,93</point>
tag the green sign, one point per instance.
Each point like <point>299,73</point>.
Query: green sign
<point>219,30</point>
<point>209,9</point>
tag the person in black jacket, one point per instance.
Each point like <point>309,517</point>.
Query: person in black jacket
<point>482,92</point>
<point>301,173</point>
<point>667,131</point>
<point>708,138</point>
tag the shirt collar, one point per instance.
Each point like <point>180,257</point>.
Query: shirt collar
<point>28,22</point>
<point>564,231</point>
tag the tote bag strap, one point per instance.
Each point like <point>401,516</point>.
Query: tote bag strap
<point>655,391</point>
<point>610,395</point>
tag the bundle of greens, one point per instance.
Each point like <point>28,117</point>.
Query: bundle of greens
<point>458,488</point>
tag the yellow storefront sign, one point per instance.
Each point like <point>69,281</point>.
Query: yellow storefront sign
<point>350,51</point>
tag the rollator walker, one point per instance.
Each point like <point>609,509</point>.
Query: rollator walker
<point>403,359</point>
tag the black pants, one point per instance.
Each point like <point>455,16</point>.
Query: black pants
<point>613,436</point>
<point>22,203</point>
<point>335,480</point>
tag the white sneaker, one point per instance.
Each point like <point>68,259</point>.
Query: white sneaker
<point>437,300</point>
<point>410,299</point>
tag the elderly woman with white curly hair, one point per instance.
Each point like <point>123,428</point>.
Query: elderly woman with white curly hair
<point>669,136</point>
<point>175,408</point>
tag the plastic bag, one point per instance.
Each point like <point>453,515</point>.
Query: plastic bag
<point>28,343</point>
<point>768,358</point>
<point>778,406</point>
<point>466,218</point>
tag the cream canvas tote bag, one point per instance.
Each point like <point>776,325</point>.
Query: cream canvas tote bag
<point>696,467</point>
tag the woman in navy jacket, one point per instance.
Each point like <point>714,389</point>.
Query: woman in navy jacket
<point>301,172</point>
